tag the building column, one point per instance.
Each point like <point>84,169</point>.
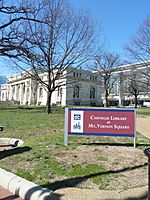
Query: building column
<point>20,96</point>
<point>11,92</point>
<point>15,93</point>
<point>121,90</point>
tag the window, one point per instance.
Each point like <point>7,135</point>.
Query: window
<point>77,103</point>
<point>40,92</point>
<point>92,104</point>
<point>76,91</point>
<point>92,93</point>
<point>59,92</point>
<point>28,83</point>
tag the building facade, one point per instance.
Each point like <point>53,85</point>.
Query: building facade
<point>130,81</point>
<point>81,87</point>
<point>78,87</point>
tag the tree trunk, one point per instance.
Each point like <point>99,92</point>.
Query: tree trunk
<point>106,87</point>
<point>106,99</point>
<point>48,104</point>
<point>107,103</point>
<point>135,101</point>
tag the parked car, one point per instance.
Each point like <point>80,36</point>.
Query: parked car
<point>132,106</point>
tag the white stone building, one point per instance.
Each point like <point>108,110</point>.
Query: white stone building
<point>126,76</point>
<point>80,87</point>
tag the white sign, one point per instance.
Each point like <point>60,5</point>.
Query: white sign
<point>77,121</point>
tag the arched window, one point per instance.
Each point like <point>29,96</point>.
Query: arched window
<point>76,91</point>
<point>59,92</point>
<point>92,93</point>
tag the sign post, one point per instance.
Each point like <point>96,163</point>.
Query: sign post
<point>66,127</point>
<point>99,122</point>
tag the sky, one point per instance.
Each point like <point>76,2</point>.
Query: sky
<point>118,18</point>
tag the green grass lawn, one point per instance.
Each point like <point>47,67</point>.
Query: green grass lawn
<point>43,135</point>
<point>143,111</point>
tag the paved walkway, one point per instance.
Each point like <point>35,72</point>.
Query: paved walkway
<point>143,127</point>
<point>87,194</point>
<point>6,195</point>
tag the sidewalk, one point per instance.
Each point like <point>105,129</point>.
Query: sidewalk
<point>143,125</point>
<point>6,195</point>
<point>88,194</point>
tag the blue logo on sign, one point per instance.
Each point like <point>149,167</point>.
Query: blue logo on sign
<point>77,126</point>
<point>77,116</point>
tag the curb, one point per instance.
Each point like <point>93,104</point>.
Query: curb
<point>11,141</point>
<point>19,186</point>
<point>23,188</point>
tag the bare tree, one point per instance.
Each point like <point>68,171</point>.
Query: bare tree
<point>11,14</point>
<point>134,86</point>
<point>138,46</point>
<point>64,38</point>
<point>106,65</point>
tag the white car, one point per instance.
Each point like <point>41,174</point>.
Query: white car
<point>132,106</point>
